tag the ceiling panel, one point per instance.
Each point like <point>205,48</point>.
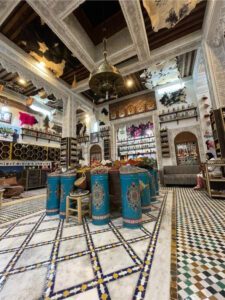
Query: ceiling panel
<point>100,19</point>
<point>186,26</point>
<point>26,29</point>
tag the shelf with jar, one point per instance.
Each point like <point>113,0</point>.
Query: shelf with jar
<point>215,181</point>
<point>217,119</point>
<point>68,155</point>
<point>187,112</point>
<point>164,139</point>
<point>38,134</point>
<point>136,141</point>
<point>83,139</point>
<point>104,131</point>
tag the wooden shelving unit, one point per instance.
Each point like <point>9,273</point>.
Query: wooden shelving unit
<point>20,151</point>
<point>179,115</point>
<point>32,179</point>
<point>68,155</point>
<point>40,135</point>
<point>135,147</point>
<point>107,149</point>
<point>83,139</point>
<point>215,186</point>
<point>164,143</point>
<point>217,119</point>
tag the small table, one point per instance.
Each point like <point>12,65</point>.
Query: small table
<point>1,196</point>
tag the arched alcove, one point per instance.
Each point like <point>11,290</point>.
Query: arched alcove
<point>95,153</point>
<point>186,147</point>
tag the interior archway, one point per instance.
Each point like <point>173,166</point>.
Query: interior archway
<point>187,150</point>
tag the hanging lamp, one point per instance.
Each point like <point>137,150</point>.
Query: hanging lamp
<point>106,81</point>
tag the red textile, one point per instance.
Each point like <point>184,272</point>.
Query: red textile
<point>27,119</point>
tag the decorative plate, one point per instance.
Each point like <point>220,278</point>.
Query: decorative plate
<point>133,196</point>
<point>98,195</point>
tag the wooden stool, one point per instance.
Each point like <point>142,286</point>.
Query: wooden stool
<point>79,200</point>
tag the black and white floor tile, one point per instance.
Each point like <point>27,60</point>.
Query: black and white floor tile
<point>45,258</point>
<point>200,246</point>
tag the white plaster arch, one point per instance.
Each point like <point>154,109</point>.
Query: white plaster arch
<point>172,133</point>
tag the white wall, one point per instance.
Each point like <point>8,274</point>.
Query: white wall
<point>191,124</point>
<point>26,139</point>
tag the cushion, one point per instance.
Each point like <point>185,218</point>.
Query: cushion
<point>10,181</point>
<point>185,169</point>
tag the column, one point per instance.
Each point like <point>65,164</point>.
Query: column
<point>69,142</point>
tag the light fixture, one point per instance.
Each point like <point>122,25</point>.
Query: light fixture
<point>106,81</point>
<point>129,83</point>
<point>41,65</point>
<point>21,80</point>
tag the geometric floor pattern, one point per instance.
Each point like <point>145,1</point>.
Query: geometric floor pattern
<point>43,257</point>
<point>18,210</point>
<point>198,247</point>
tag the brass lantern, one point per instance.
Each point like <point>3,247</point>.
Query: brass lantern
<point>106,81</point>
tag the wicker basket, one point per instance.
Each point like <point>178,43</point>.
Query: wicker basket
<point>81,182</point>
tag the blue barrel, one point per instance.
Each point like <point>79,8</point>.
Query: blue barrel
<point>152,187</point>
<point>100,199</point>
<point>67,185</point>
<point>144,183</point>
<point>154,174</point>
<point>131,199</point>
<point>53,194</point>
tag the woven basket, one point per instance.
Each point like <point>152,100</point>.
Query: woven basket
<point>81,182</point>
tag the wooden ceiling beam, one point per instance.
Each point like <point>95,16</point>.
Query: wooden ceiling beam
<point>15,18</point>
<point>175,32</point>
<point>19,28</point>
<point>177,35</point>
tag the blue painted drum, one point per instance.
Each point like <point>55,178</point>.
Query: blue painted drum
<point>100,199</point>
<point>67,185</point>
<point>152,187</point>
<point>53,195</point>
<point>156,176</point>
<point>144,183</point>
<point>131,199</point>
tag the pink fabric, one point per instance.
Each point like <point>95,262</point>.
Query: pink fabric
<point>27,119</point>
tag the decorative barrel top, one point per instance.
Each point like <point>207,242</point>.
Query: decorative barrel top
<point>128,169</point>
<point>100,170</point>
<point>68,174</point>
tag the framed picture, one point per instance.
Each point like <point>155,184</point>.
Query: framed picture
<point>94,138</point>
<point>5,117</point>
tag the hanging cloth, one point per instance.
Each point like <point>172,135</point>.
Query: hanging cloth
<point>27,119</point>
<point>167,13</point>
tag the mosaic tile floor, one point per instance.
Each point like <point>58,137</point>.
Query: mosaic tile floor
<point>18,210</point>
<point>44,258</point>
<point>198,246</point>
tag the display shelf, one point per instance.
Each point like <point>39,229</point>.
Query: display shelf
<point>218,129</point>
<point>40,135</point>
<point>137,146</point>
<point>218,188</point>
<point>164,143</point>
<point>176,115</point>
<point>68,154</point>
<point>83,139</point>
<point>107,151</point>
<point>27,152</point>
